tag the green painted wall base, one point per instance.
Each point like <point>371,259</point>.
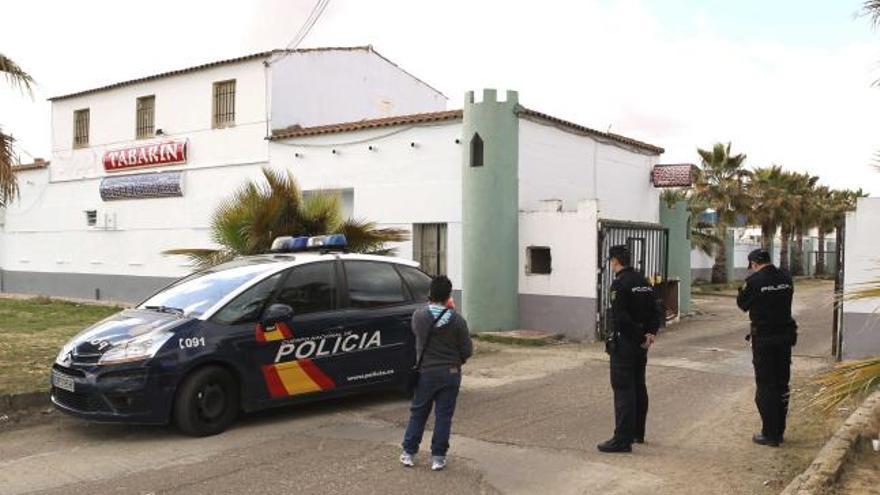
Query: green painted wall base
<point>677,221</point>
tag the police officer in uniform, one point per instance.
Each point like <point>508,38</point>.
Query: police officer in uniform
<point>767,295</point>
<point>635,317</point>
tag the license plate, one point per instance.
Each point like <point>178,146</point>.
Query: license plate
<point>62,381</point>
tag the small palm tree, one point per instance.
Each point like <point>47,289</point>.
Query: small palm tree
<point>20,79</point>
<point>260,211</point>
<point>721,186</point>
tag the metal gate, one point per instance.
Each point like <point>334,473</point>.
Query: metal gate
<point>648,243</point>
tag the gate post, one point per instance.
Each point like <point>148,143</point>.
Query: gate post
<point>677,221</point>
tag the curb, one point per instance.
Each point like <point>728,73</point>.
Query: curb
<point>829,463</point>
<point>15,402</point>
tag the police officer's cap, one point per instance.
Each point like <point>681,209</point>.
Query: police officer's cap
<point>760,256</point>
<point>620,252</point>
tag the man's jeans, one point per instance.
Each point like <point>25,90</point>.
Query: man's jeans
<point>437,387</point>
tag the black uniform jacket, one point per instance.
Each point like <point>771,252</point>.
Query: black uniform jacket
<point>633,307</point>
<point>767,295</point>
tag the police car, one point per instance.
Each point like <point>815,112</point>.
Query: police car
<point>307,321</point>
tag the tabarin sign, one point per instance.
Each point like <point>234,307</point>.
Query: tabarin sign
<point>150,155</point>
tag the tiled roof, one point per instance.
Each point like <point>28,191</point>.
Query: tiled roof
<point>397,120</point>
<point>37,164</point>
<point>253,56</point>
<point>423,118</point>
<point>579,129</point>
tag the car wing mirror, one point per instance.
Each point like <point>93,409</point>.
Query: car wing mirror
<point>277,312</point>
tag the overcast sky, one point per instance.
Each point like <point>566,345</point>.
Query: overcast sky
<point>788,81</point>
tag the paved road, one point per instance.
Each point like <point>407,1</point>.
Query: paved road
<point>528,422</point>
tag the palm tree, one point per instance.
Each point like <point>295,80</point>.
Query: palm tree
<point>702,237</point>
<point>804,216</point>
<point>771,201</point>
<point>258,212</point>
<point>18,78</point>
<point>721,186</point>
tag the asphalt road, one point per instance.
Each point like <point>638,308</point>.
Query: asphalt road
<point>527,422</point>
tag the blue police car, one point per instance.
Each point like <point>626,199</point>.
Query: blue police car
<point>307,321</point>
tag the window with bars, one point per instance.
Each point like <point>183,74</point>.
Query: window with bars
<point>81,128</point>
<point>145,110</point>
<point>429,247</point>
<point>224,103</point>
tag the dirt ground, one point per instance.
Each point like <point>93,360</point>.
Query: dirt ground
<point>527,422</point>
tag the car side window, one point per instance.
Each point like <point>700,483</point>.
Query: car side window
<point>248,306</point>
<point>309,288</point>
<point>418,281</point>
<point>372,284</point>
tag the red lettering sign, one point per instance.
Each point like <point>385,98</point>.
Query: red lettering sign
<point>150,155</point>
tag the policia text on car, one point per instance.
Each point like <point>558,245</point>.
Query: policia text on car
<point>767,295</point>
<point>635,317</point>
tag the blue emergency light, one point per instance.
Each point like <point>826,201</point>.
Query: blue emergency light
<point>288,244</point>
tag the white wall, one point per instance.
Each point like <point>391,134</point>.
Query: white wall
<point>860,336</point>
<point>348,85</point>
<point>183,111</point>
<point>862,263</point>
<point>571,236</point>
<point>394,185</point>
<point>555,164</point>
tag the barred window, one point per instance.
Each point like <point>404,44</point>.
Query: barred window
<point>81,128</point>
<point>145,109</point>
<point>224,103</point>
<point>429,247</point>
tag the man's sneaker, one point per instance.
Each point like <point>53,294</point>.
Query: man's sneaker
<point>760,439</point>
<point>614,446</point>
<point>407,460</point>
<point>438,462</point>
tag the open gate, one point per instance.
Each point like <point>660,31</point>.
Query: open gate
<point>648,243</point>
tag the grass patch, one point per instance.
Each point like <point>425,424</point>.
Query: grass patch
<point>497,338</point>
<point>31,333</point>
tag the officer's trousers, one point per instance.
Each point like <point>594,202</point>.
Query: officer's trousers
<point>772,374</point>
<point>628,363</point>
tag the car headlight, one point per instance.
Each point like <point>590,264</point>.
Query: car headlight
<point>63,357</point>
<point>137,349</point>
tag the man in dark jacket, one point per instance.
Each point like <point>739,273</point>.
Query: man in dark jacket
<point>635,317</point>
<point>767,295</point>
<point>448,347</point>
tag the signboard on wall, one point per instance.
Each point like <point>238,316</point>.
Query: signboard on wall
<point>678,175</point>
<point>148,155</point>
<point>142,186</point>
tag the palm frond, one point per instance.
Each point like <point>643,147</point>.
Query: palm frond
<point>16,76</point>
<point>364,237</point>
<point>844,381</point>
<point>202,258</point>
<point>8,182</point>
<point>871,9</point>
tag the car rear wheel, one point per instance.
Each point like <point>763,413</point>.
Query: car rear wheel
<point>207,402</point>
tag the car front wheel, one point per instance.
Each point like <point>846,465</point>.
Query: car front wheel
<point>207,402</point>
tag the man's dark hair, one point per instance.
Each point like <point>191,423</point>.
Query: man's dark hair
<point>759,256</point>
<point>620,253</point>
<point>441,288</point>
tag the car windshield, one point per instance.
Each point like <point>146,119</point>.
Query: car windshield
<point>193,295</point>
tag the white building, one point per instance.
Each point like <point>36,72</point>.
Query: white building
<point>522,206</point>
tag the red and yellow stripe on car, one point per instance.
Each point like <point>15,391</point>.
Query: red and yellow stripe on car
<point>296,377</point>
<point>278,331</point>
